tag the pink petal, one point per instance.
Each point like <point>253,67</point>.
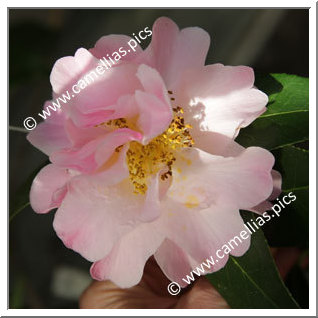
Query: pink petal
<point>99,209</point>
<point>153,83</point>
<point>172,51</point>
<point>125,263</point>
<point>277,189</point>
<point>67,70</point>
<point>154,106</point>
<point>126,107</point>
<point>200,234</point>
<point>114,139</point>
<point>112,43</point>
<point>155,116</point>
<point>173,262</point>
<point>93,154</point>
<point>91,219</point>
<point>80,136</point>
<point>220,99</point>
<point>204,180</point>
<point>81,159</point>
<point>95,104</point>
<point>218,144</point>
<point>152,208</point>
<point>49,135</point>
<point>48,188</point>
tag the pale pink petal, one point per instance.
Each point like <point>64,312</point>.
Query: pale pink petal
<point>152,208</point>
<point>155,116</point>
<point>80,136</point>
<point>95,104</point>
<point>173,261</point>
<point>67,70</point>
<point>222,145</point>
<point>93,154</point>
<point>201,179</point>
<point>217,144</point>
<point>220,99</point>
<point>92,218</point>
<point>113,171</point>
<point>126,107</point>
<point>99,209</point>
<point>277,189</point>
<point>172,51</point>
<point>202,233</point>
<point>81,159</point>
<point>153,83</point>
<point>125,263</point>
<point>48,188</point>
<point>113,140</point>
<point>49,135</point>
<point>155,112</point>
<point>110,44</point>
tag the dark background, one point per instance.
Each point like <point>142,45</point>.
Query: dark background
<point>43,273</point>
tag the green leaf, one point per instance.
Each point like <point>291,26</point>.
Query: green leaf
<point>21,199</point>
<point>252,280</point>
<point>292,227</point>
<point>286,120</point>
<point>293,164</point>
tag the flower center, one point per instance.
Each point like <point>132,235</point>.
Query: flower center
<point>158,154</point>
<point>145,160</point>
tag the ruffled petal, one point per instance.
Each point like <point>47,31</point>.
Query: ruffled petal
<point>173,261</point>
<point>67,70</point>
<point>93,154</point>
<point>95,104</point>
<point>201,180</point>
<point>99,209</point>
<point>50,135</point>
<point>172,51</point>
<point>110,44</point>
<point>217,144</point>
<point>200,234</point>
<point>220,99</point>
<point>48,188</point>
<point>277,189</point>
<point>222,145</point>
<point>155,113</point>
<point>125,263</point>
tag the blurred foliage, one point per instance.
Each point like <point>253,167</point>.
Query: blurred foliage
<point>30,59</point>
<point>21,200</point>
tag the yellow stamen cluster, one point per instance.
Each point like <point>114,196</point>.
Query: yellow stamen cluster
<point>145,160</point>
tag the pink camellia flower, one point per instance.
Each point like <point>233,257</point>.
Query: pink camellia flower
<point>144,162</point>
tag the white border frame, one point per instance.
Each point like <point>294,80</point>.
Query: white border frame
<point>312,161</point>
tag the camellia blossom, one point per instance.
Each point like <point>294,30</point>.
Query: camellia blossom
<point>144,162</point>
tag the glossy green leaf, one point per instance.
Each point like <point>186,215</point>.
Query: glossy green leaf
<point>292,227</point>
<point>293,164</point>
<point>252,281</point>
<point>286,120</point>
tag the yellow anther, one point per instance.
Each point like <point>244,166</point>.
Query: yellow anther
<point>159,153</point>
